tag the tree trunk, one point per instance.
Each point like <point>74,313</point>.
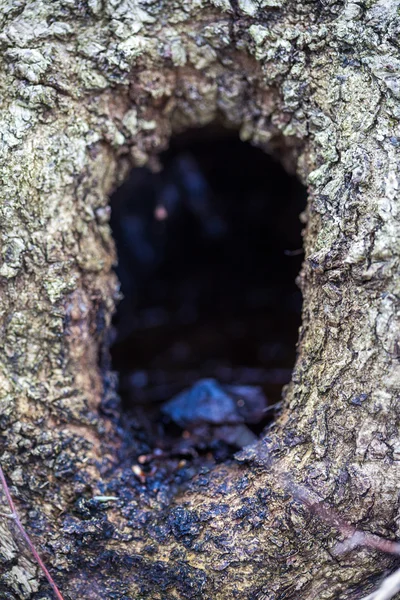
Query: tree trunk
<point>92,88</point>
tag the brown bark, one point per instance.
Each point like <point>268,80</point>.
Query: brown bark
<point>90,89</point>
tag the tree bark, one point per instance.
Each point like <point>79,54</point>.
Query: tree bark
<point>90,89</point>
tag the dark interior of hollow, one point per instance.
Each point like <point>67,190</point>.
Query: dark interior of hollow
<point>209,249</point>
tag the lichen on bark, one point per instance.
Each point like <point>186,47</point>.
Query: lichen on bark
<point>90,89</point>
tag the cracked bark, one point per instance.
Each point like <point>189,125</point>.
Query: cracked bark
<point>90,89</point>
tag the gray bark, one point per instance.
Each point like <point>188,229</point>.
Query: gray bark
<point>90,89</point>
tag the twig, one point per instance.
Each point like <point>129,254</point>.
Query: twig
<point>14,516</point>
<point>354,537</point>
<point>388,588</point>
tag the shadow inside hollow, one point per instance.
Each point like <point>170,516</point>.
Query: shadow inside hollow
<point>209,249</point>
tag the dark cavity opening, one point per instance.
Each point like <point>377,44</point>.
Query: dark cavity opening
<point>209,249</point>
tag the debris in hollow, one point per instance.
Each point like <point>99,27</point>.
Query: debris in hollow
<point>214,411</point>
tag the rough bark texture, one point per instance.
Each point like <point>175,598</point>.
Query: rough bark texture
<point>90,88</point>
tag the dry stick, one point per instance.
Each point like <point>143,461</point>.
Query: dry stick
<point>15,518</point>
<point>388,588</point>
<point>391,584</point>
<point>354,537</point>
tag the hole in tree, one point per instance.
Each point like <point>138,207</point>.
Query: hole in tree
<point>209,249</point>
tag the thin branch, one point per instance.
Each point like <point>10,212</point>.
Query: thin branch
<point>353,536</point>
<point>390,586</point>
<point>14,516</point>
